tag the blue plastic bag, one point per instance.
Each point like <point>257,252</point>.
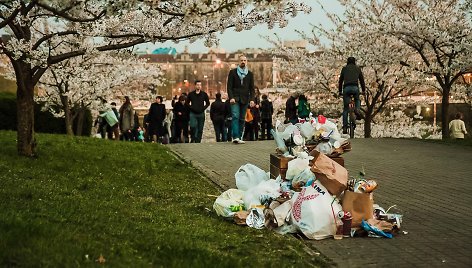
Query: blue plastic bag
<point>369,228</point>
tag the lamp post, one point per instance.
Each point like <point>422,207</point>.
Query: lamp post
<point>206,78</point>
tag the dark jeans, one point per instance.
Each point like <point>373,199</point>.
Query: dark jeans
<point>196,126</point>
<point>249,131</point>
<point>219,126</point>
<point>347,92</point>
<point>238,112</point>
<point>266,126</point>
<point>227,133</point>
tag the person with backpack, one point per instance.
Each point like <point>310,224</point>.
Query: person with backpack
<point>348,85</point>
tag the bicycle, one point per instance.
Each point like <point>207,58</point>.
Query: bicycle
<point>351,117</point>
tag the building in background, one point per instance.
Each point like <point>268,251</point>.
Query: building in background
<point>182,69</point>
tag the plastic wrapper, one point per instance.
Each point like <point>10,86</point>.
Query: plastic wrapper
<point>255,219</point>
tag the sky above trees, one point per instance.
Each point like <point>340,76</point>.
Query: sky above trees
<point>231,40</point>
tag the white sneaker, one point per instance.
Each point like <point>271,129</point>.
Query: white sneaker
<point>238,141</point>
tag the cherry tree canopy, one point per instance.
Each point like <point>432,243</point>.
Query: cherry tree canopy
<point>46,32</point>
<point>86,82</point>
<point>378,54</point>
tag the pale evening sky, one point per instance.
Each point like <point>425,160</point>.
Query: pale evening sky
<point>231,40</point>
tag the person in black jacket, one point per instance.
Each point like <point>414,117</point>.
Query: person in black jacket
<point>198,102</point>
<point>228,134</point>
<point>240,89</point>
<point>351,76</point>
<point>291,109</point>
<point>218,117</point>
<point>156,116</point>
<point>266,117</point>
<point>181,114</point>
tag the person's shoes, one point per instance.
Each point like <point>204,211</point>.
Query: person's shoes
<point>238,141</point>
<point>344,130</point>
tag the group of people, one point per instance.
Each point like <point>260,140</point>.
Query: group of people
<point>243,115</point>
<point>122,124</point>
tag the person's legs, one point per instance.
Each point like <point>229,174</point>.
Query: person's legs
<point>185,131</point>
<point>200,124</point>
<point>116,132</point>
<point>224,131</point>
<point>242,119</point>
<point>193,127</point>
<point>178,131</point>
<point>346,100</point>
<point>235,121</point>
<point>228,130</point>
<point>219,131</point>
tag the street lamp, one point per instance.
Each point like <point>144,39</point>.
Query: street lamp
<point>206,78</point>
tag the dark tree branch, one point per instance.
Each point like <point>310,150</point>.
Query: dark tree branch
<point>63,14</point>
<point>48,36</point>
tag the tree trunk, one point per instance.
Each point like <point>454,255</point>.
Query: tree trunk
<point>445,114</point>
<point>68,117</point>
<point>26,142</point>
<point>80,122</point>
<point>368,126</point>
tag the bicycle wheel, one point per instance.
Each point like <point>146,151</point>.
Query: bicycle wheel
<point>352,123</point>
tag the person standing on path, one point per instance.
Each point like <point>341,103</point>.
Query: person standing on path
<point>228,133</point>
<point>457,128</point>
<point>218,117</point>
<point>198,102</point>
<point>351,76</point>
<point>240,88</point>
<point>266,117</point>
<point>126,119</point>
<point>181,113</point>
<point>156,116</point>
<point>291,109</point>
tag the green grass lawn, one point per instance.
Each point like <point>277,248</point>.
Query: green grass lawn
<point>133,203</point>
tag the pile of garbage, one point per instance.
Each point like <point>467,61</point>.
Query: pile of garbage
<point>313,195</point>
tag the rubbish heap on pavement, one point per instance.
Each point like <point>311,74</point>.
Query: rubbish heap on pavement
<point>307,190</point>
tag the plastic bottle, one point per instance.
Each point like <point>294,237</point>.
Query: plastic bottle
<point>347,222</point>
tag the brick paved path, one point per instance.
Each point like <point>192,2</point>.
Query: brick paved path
<point>431,183</point>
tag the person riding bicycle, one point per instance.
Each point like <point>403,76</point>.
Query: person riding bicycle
<point>351,76</point>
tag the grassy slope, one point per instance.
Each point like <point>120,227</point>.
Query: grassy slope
<point>132,202</point>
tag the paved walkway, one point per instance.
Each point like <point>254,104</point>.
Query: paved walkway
<point>431,184</point>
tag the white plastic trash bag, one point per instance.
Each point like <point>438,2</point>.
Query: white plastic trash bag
<point>260,194</point>
<point>229,202</point>
<point>249,176</point>
<point>307,130</point>
<point>314,210</point>
<point>295,167</point>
